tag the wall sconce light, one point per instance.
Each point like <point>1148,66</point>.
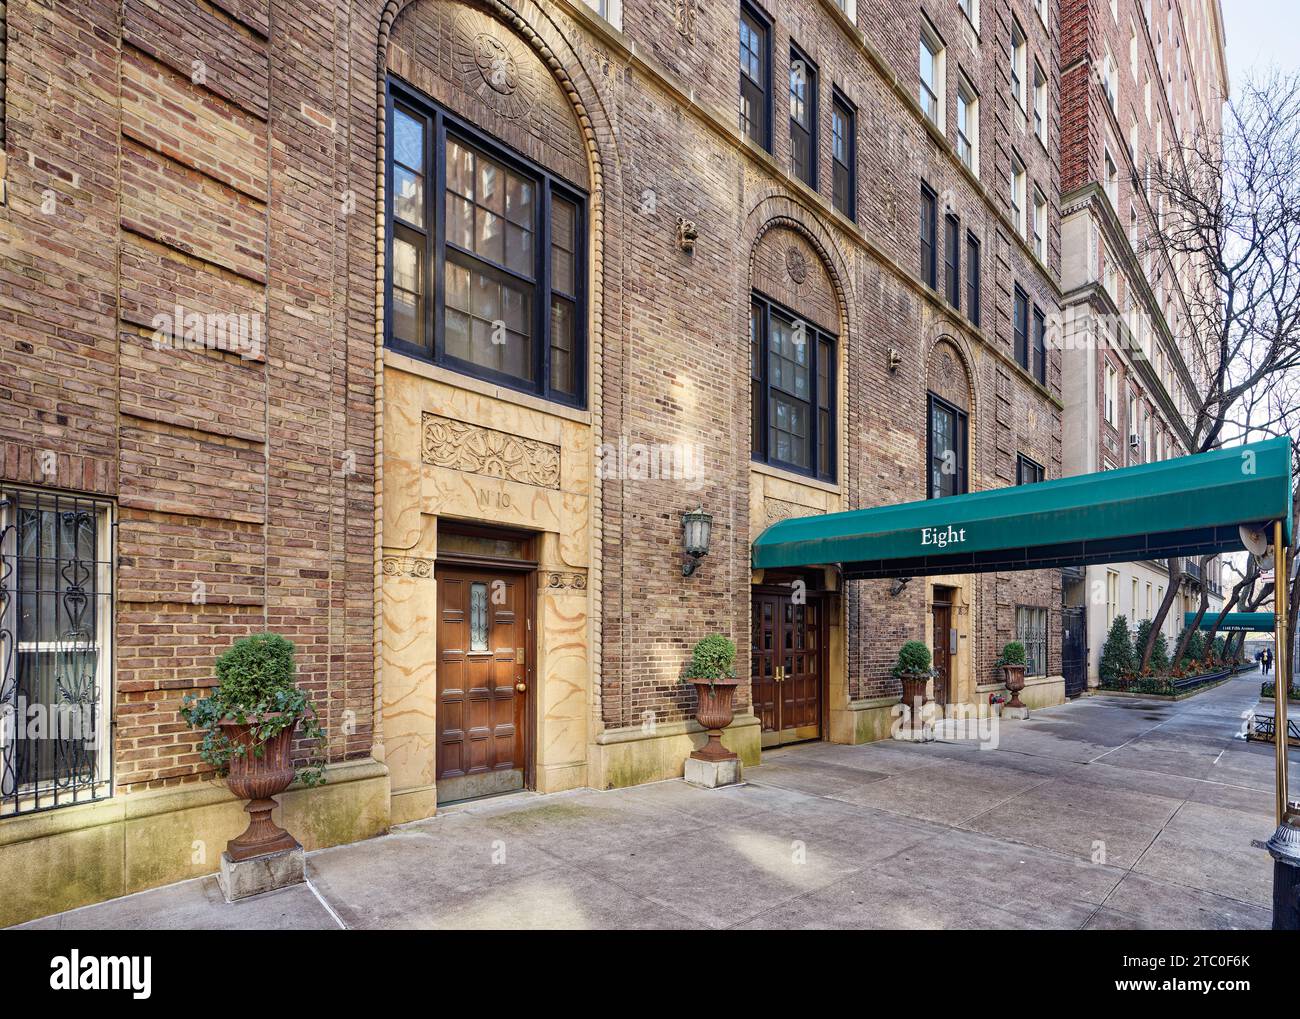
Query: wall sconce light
<point>895,358</point>
<point>896,588</point>
<point>696,527</point>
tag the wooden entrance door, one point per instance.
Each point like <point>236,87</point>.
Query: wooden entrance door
<point>941,619</point>
<point>483,631</point>
<point>786,667</point>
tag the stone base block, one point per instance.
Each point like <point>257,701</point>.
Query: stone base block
<point>241,878</point>
<point>712,774</point>
<point>1010,712</point>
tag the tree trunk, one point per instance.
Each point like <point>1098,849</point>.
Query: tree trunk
<point>1171,594</point>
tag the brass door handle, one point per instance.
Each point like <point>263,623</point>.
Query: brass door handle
<point>521,687</point>
<point>780,673</point>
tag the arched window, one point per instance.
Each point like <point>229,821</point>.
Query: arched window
<point>486,260</point>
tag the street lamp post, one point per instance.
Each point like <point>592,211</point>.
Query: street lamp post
<point>1284,846</point>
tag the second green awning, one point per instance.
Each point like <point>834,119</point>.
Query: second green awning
<point>1250,622</point>
<point>1188,506</point>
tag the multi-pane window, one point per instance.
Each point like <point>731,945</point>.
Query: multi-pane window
<point>968,126</point>
<point>931,67</point>
<point>755,76</point>
<point>844,144</point>
<point>1031,630</point>
<point>792,391</point>
<point>56,625</point>
<point>803,118</point>
<point>973,278</point>
<point>929,229</point>
<point>1040,102</point>
<point>1019,55</point>
<point>971,8</point>
<point>946,444</point>
<point>952,260</point>
<point>1018,194</point>
<point>610,10</point>
<point>486,271</point>
<point>1020,326</point>
<point>1112,394</point>
<point>1040,225</point>
<point>1040,346</point>
<point>1111,180</point>
<point>1112,596</point>
<point>1028,472</point>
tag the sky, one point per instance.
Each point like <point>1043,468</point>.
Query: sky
<point>1256,36</point>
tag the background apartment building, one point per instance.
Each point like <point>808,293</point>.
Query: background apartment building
<point>520,284</point>
<point>1139,78</point>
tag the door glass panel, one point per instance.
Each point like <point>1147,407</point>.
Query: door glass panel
<point>478,624</point>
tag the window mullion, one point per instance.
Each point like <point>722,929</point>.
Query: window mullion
<point>542,271</point>
<point>435,210</point>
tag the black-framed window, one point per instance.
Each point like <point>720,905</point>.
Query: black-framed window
<point>973,278</point>
<point>1020,326</point>
<point>1028,472</point>
<point>929,230</point>
<point>486,257</point>
<point>803,117</point>
<point>952,260</point>
<point>946,459</point>
<point>792,391</point>
<point>1040,345</point>
<point>844,155</point>
<point>756,75</point>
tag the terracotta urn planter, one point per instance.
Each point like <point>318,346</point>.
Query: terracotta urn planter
<point>1014,680</point>
<point>914,696</point>
<point>258,778</point>
<point>714,711</point>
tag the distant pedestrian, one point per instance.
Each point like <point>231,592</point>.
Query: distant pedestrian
<point>1266,660</point>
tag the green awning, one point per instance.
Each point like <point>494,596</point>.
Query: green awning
<point>1189,506</point>
<point>1250,622</point>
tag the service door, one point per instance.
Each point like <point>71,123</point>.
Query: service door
<point>483,627</point>
<point>943,645</point>
<point>786,667</point>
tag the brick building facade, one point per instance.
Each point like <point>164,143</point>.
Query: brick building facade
<point>1141,82</point>
<point>511,275</point>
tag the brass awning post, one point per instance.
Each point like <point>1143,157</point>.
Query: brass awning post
<point>1284,846</point>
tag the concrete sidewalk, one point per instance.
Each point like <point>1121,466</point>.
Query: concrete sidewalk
<point>1107,812</point>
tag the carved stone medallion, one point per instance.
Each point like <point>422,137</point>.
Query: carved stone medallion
<point>796,264</point>
<point>494,68</point>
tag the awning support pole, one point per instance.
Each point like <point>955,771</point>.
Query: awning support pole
<point>1284,846</point>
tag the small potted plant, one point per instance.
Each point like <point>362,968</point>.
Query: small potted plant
<point>913,670</point>
<point>712,672</point>
<point>248,722</point>
<point>1012,663</point>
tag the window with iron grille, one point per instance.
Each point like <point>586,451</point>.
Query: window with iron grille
<point>946,433</point>
<point>56,625</point>
<point>1031,630</point>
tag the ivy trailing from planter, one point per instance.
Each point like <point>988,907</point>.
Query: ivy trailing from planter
<point>255,688</point>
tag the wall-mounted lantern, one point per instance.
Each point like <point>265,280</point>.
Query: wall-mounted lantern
<point>696,528</point>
